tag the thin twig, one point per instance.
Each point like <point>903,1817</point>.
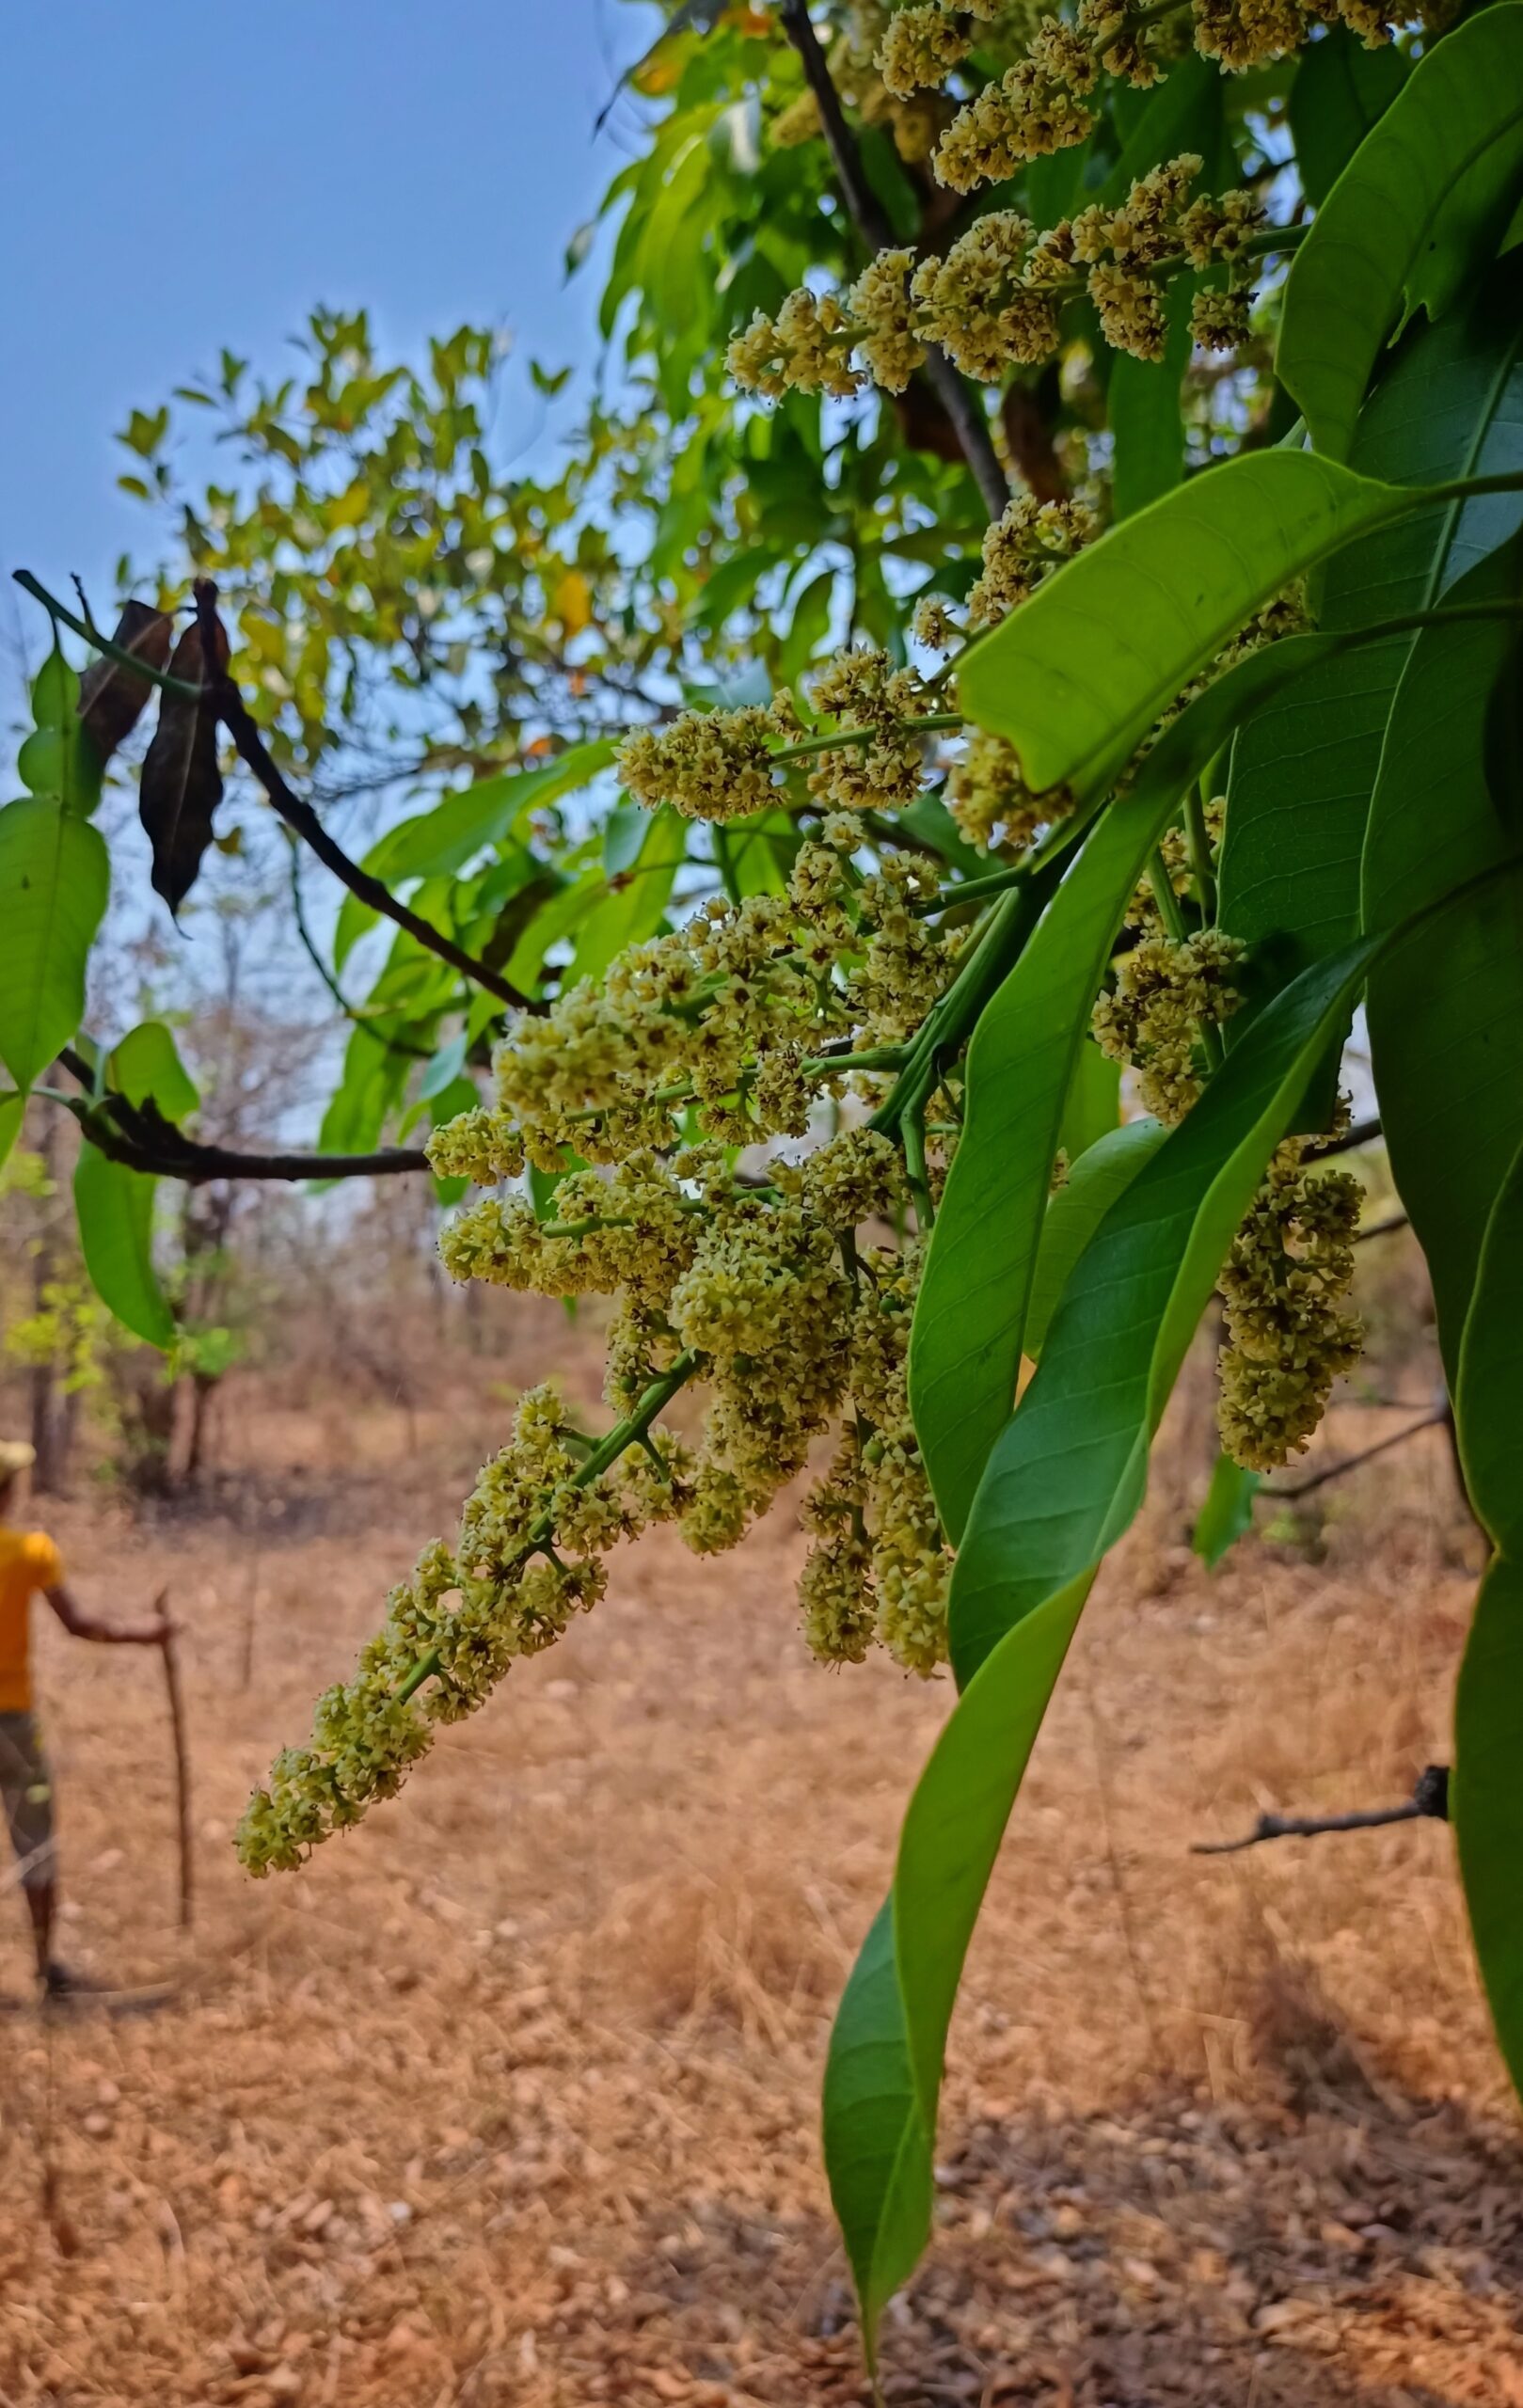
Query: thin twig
<point>120,653</point>
<point>961,404</point>
<point>249,744</point>
<point>357,1019</point>
<point>1366,1454</point>
<point>1362,1133</point>
<point>1429,1801</point>
<point>1383,1228</point>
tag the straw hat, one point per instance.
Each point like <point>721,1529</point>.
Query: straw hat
<point>15,1455</point>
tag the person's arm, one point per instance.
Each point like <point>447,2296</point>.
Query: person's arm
<point>108,1634</point>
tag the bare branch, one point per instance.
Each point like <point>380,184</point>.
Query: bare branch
<point>1363,1132</point>
<point>1383,1228</point>
<point>1366,1454</point>
<point>103,643</point>
<point>249,744</point>
<point>1429,1801</point>
<point>957,397</point>
<point>141,1138</point>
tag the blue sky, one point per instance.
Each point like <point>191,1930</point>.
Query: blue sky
<point>203,176</point>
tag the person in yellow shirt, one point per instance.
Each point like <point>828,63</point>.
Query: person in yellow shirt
<point>29,1564</point>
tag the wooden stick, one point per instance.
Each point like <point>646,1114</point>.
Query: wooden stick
<point>177,1726</point>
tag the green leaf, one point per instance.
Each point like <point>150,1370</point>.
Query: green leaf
<point>1303,773</point>
<point>1445,1003</point>
<point>144,433</point>
<point>1075,1213</point>
<point>1183,113</point>
<point>1341,92</point>
<point>761,850</point>
<point>436,843</point>
<point>1147,421</point>
<point>557,919</point>
<point>874,2143</point>
<point>1077,676</point>
<point>1068,1472</point>
<point>633,907</point>
<point>625,831</point>
<point>1064,1482</point>
<point>55,692</point>
<point>1092,1106</point>
<point>371,1086</point>
<point>115,1209</point>
<point>446,1069</point>
<point>1425,196</point>
<point>966,1344</point>
<point>1227,1515</point>
<point>62,762</point>
<point>12,1113</point>
<point>54,877</point>
<point>146,1068</point>
<point>59,758</point>
<point>1486,1792</point>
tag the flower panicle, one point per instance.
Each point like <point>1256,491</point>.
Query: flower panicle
<point>993,302</point>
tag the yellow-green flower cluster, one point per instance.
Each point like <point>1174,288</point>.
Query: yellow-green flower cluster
<point>1024,547</point>
<point>1288,1334</point>
<point>862,689</point>
<point>525,1562</point>
<point>906,962</point>
<point>1142,912</point>
<point>1041,104</point>
<point>751,1280</point>
<point>920,47</point>
<point>1165,992</point>
<point>738,1017</point>
<point>710,764</point>
<point>878,1567</point>
<point>1046,100</point>
<point>988,796</point>
<point>993,301</point>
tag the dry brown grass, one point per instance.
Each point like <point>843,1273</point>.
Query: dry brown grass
<point>511,2097</point>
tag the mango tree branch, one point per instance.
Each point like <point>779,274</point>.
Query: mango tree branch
<point>958,398</point>
<point>249,744</point>
<point>144,1140</point>
<point>1429,1801</point>
<point>102,644</point>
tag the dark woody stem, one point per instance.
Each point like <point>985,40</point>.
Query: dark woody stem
<point>963,405</point>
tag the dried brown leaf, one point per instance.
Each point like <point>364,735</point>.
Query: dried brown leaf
<point>181,783</point>
<point>111,697</point>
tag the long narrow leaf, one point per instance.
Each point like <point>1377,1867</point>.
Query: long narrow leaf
<point>1426,193</point>
<point>1486,1795</point>
<point>115,1209</point>
<point>970,1317</point>
<point>1063,1482</point>
<point>1077,676</point>
<point>1446,1004</point>
<point>1451,404</point>
<point>53,879</point>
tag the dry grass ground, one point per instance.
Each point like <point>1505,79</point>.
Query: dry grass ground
<point>511,2097</point>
